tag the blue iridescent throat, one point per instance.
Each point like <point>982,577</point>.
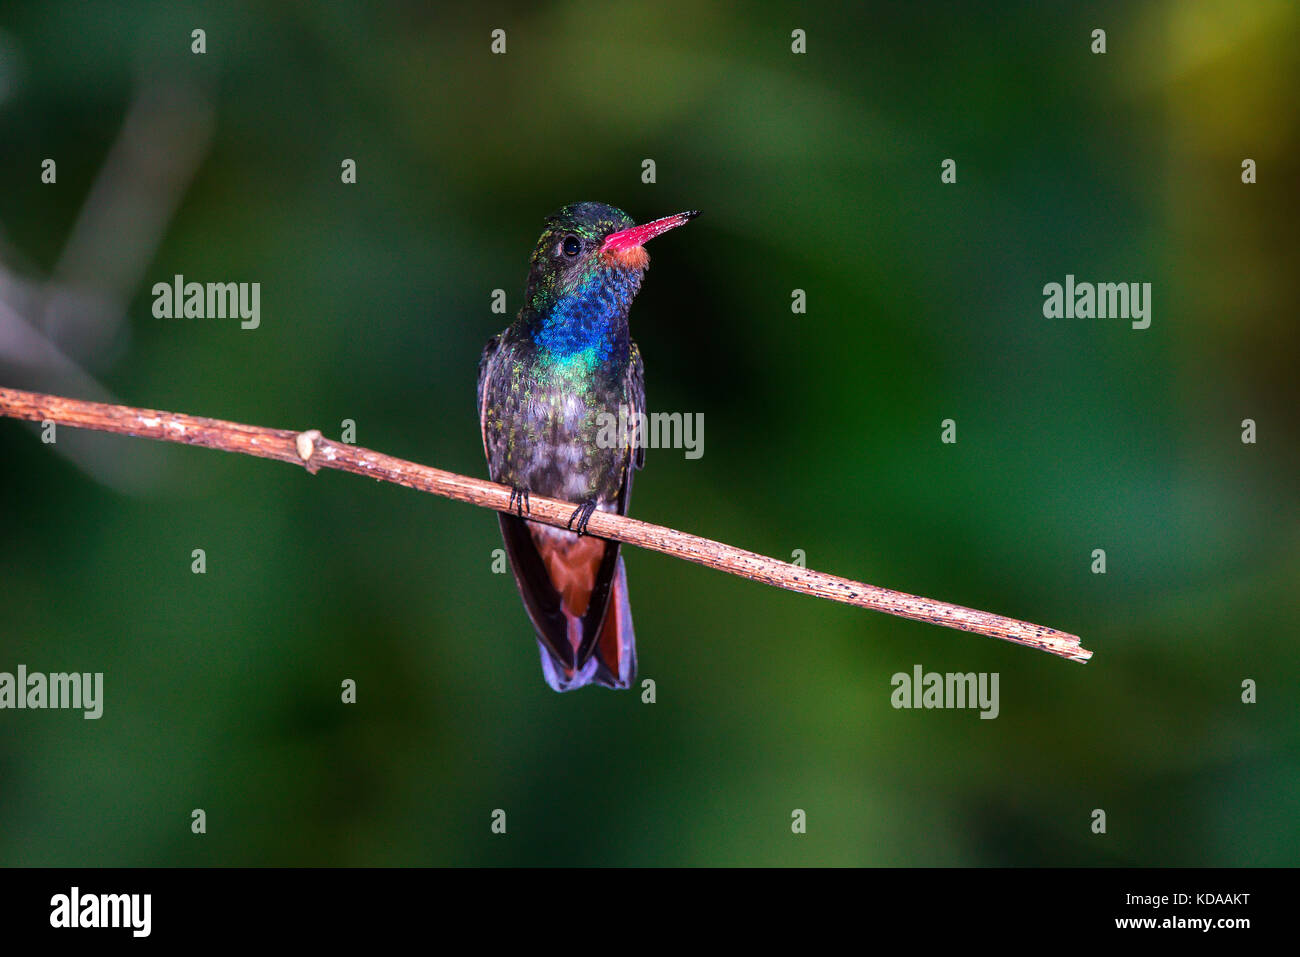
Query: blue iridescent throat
<point>592,321</point>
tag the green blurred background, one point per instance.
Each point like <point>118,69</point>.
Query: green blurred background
<point>818,172</point>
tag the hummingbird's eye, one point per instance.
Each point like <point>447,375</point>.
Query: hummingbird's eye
<point>571,246</point>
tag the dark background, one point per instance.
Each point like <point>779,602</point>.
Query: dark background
<point>818,172</point>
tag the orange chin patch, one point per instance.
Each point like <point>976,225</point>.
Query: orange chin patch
<point>634,257</point>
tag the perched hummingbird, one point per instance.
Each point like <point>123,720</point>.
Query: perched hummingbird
<point>544,387</point>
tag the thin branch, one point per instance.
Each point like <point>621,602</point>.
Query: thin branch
<point>311,450</point>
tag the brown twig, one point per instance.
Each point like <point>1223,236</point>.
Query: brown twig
<point>311,450</point>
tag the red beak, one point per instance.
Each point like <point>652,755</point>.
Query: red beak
<point>639,235</point>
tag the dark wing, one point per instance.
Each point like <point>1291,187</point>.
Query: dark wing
<point>615,648</point>
<point>541,600</point>
<point>634,386</point>
<point>484,364</point>
<point>634,394</point>
<point>535,588</point>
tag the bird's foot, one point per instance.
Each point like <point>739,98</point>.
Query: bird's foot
<point>582,515</point>
<point>519,500</point>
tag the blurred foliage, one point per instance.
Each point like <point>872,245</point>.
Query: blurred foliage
<point>818,172</point>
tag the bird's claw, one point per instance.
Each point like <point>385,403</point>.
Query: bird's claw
<point>583,515</point>
<point>519,501</point>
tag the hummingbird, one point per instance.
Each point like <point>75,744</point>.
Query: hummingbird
<point>547,387</point>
